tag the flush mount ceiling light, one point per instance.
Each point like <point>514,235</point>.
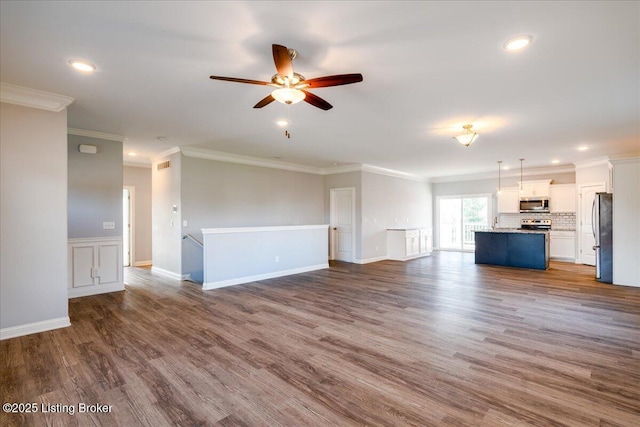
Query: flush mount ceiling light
<point>583,148</point>
<point>288,95</point>
<point>517,43</point>
<point>83,66</point>
<point>282,123</point>
<point>467,137</point>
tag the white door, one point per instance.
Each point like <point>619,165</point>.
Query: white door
<point>587,194</point>
<point>342,235</point>
<point>127,218</point>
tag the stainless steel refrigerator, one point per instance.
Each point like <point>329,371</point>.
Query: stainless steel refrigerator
<point>602,221</point>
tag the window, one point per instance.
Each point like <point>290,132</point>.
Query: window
<point>459,217</point>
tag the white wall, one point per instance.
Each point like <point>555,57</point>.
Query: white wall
<point>94,188</point>
<point>391,202</point>
<point>140,179</point>
<point>33,220</point>
<point>166,224</point>
<point>626,222</point>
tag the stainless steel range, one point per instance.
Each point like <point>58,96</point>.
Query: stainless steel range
<point>535,224</point>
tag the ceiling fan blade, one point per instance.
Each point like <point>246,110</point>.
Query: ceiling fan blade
<point>265,101</point>
<point>337,80</point>
<point>316,101</point>
<point>283,62</point>
<point>236,80</point>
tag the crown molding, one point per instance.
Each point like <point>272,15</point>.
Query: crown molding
<point>166,153</point>
<point>513,174</point>
<point>334,170</point>
<point>97,135</point>
<point>203,153</point>
<point>391,172</point>
<point>593,162</point>
<point>26,97</point>
<point>137,165</point>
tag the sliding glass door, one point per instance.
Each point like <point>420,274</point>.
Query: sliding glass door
<point>458,217</point>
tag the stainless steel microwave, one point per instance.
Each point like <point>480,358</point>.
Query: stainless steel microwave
<point>534,204</point>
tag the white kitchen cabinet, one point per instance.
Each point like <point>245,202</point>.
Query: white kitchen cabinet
<point>509,200</point>
<point>540,188</point>
<point>563,198</point>
<point>95,266</point>
<point>562,245</point>
<point>404,244</point>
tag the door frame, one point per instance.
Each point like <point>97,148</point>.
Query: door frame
<point>132,222</point>
<point>579,258</point>
<point>332,216</point>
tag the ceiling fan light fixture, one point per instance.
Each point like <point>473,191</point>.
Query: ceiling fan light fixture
<point>288,95</point>
<point>468,137</point>
<point>517,43</point>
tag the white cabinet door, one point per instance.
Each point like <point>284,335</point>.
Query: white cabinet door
<point>562,245</point>
<point>509,200</point>
<point>536,188</point>
<point>563,198</point>
<point>95,266</point>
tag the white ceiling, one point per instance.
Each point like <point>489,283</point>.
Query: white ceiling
<point>428,68</point>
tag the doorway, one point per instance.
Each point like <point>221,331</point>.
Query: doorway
<point>342,236</point>
<point>458,219</point>
<point>127,225</point>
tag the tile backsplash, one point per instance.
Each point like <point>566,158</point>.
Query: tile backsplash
<point>559,221</point>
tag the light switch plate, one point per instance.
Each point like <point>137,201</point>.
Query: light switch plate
<point>109,225</point>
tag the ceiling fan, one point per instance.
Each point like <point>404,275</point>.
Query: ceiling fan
<point>292,87</point>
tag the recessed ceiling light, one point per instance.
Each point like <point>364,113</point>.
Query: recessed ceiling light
<point>517,43</point>
<point>583,148</point>
<point>282,123</point>
<point>84,66</point>
<point>555,161</point>
<point>132,153</point>
<point>161,138</point>
<point>505,168</point>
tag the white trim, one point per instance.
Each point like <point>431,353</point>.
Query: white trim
<point>86,291</point>
<point>332,252</point>
<point>142,263</point>
<point>623,160</point>
<point>391,172</point>
<point>591,163</point>
<point>34,328</point>
<point>370,260</point>
<point>167,153</point>
<point>334,170</point>
<point>26,97</point>
<point>166,273</point>
<point>237,281</point>
<point>494,175</point>
<point>94,239</point>
<point>97,135</point>
<point>132,219</point>
<point>202,153</point>
<point>137,165</point>
<point>260,229</point>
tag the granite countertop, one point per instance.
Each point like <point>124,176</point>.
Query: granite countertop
<point>512,230</point>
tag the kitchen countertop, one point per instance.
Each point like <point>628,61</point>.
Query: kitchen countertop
<point>511,230</point>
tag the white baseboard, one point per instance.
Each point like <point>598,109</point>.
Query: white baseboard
<point>370,260</point>
<point>34,328</point>
<point>85,291</point>
<point>166,273</point>
<point>230,282</point>
<point>561,259</point>
<point>142,263</point>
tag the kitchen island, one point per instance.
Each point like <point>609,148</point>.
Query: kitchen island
<point>513,248</point>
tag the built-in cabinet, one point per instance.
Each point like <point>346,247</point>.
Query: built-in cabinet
<point>509,200</point>
<point>95,266</point>
<point>562,245</point>
<point>404,244</point>
<point>539,188</point>
<point>563,198</point>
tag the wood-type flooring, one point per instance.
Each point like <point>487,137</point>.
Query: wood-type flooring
<point>437,341</point>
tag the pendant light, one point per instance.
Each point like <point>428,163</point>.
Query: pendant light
<point>499,180</point>
<point>521,187</point>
